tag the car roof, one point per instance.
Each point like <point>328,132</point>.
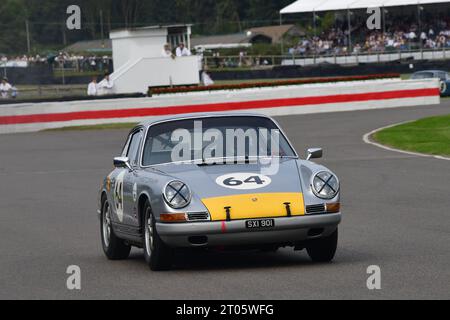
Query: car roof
<point>169,118</point>
<point>428,71</point>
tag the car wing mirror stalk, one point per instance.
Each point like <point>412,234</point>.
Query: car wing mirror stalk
<point>314,153</point>
<point>122,162</point>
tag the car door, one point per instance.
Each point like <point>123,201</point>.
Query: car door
<point>130,179</point>
<point>125,180</point>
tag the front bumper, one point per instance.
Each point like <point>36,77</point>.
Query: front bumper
<point>289,230</point>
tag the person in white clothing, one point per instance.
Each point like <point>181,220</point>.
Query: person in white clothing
<point>106,86</point>
<point>206,79</point>
<point>167,52</point>
<point>92,88</point>
<point>182,51</point>
<point>5,88</point>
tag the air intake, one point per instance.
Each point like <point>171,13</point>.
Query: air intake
<point>198,216</point>
<point>315,209</point>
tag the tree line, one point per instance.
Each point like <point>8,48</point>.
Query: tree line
<point>43,22</point>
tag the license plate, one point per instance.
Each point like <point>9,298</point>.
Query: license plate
<point>260,224</point>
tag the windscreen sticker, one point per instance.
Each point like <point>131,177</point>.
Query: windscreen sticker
<point>243,181</point>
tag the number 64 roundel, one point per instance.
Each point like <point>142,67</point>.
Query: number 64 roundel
<point>243,181</point>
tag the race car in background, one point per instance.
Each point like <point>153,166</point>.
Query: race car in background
<point>157,203</point>
<point>443,76</point>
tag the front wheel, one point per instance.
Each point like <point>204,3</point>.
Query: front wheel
<point>323,249</point>
<point>443,87</point>
<point>157,254</point>
<point>113,247</point>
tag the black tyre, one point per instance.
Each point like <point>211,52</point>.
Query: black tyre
<point>269,249</point>
<point>323,249</point>
<point>157,254</point>
<point>114,247</point>
<point>443,87</point>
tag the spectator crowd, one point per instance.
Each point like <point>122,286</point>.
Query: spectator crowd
<point>81,63</point>
<point>404,36</point>
<point>402,33</point>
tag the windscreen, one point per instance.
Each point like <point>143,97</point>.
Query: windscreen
<point>217,138</point>
<point>423,75</point>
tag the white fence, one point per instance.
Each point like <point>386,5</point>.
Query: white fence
<point>367,57</point>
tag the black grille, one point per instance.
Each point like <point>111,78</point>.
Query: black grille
<point>317,208</point>
<point>198,216</point>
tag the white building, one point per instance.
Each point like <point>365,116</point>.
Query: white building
<point>139,63</point>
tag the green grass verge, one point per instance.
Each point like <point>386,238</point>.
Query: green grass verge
<point>405,76</point>
<point>430,136</point>
<point>110,126</point>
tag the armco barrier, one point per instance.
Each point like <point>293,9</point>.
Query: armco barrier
<point>276,101</point>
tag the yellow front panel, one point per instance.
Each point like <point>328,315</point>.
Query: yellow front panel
<point>250,206</point>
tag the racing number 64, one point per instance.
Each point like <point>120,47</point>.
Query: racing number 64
<point>232,182</point>
<point>243,181</point>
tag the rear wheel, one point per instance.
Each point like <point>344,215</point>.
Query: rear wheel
<point>157,254</point>
<point>323,249</point>
<point>114,247</point>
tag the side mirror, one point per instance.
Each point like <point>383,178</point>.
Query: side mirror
<point>122,162</point>
<point>314,153</point>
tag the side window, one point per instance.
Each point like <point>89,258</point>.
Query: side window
<point>125,148</point>
<point>133,148</point>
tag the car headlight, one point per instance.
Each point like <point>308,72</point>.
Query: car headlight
<point>177,194</point>
<point>325,185</point>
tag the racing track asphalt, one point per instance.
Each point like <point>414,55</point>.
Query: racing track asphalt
<point>396,211</point>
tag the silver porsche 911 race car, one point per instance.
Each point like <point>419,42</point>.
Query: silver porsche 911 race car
<point>216,181</point>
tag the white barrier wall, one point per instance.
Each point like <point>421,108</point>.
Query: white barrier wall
<point>276,101</point>
<point>156,72</point>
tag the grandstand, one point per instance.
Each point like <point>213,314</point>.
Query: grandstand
<point>416,29</point>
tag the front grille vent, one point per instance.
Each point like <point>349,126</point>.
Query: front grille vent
<point>314,209</point>
<point>198,216</point>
